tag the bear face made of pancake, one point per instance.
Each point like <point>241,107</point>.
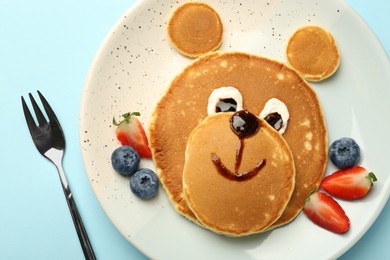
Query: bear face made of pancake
<point>238,174</point>
<point>184,106</point>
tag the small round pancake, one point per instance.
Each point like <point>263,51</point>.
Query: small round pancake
<point>184,106</point>
<point>195,29</point>
<point>228,204</point>
<point>312,51</point>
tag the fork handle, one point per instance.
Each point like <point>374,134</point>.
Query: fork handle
<point>81,232</point>
<point>78,222</point>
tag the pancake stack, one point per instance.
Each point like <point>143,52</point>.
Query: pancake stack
<point>181,114</point>
<point>231,204</point>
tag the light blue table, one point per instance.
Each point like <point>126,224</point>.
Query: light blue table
<point>49,45</point>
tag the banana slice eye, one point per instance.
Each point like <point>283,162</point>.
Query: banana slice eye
<point>224,99</point>
<point>275,112</point>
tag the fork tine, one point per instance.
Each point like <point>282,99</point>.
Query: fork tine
<point>29,118</point>
<point>38,112</point>
<point>49,111</point>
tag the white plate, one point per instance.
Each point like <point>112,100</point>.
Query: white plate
<point>134,67</point>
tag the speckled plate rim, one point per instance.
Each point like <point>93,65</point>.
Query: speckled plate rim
<point>93,133</point>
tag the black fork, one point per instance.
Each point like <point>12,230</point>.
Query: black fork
<point>49,139</point>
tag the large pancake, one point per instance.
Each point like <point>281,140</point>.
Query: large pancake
<point>237,205</point>
<point>184,106</point>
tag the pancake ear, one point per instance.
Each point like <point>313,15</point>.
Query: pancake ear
<point>275,112</point>
<point>224,99</point>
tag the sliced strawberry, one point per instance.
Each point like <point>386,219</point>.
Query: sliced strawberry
<point>130,132</point>
<point>324,211</point>
<point>351,183</point>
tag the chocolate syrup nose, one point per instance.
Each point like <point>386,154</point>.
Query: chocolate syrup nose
<point>244,124</point>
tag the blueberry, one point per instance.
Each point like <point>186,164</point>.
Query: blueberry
<point>125,160</point>
<point>144,183</point>
<point>344,153</point>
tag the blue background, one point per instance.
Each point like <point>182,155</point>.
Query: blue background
<point>49,45</point>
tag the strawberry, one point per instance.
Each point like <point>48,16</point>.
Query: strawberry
<point>324,211</point>
<point>130,132</point>
<point>351,183</point>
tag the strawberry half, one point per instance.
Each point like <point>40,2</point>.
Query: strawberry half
<point>324,211</point>
<point>351,183</point>
<point>130,132</point>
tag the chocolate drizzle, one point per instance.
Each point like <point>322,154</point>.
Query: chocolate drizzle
<point>240,148</point>
<point>244,125</point>
<point>236,176</point>
<point>225,105</point>
<point>275,120</point>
